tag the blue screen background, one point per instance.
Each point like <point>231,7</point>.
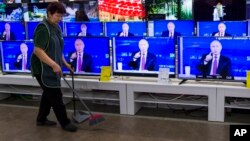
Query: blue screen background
<point>17,28</point>
<point>94,28</point>
<point>137,28</point>
<point>11,50</point>
<point>236,48</point>
<point>31,26</point>
<point>97,47</point>
<point>185,27</point>
<point>234,28</point>
<point>162,47</point>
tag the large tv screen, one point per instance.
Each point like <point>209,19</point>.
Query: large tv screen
<point>142,56</point>
<point>219,10</point>
<point>220,58</point>
<point>16,56</point>
<point>11,12</point>
<point>87,54</point>
<point>169,9</point>
<point>12,31</point>
<point>31,26</point>
<point>227,28</point>
<point>116,10</point>
<point>126,29</point>
<point>90,8</point>
<point>83,29</point>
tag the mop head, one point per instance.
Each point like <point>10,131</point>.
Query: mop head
<point>95,119</point>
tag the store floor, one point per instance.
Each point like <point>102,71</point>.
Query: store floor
<point>18,124</point>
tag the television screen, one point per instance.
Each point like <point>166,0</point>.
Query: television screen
<point>169,9</point>
<point>83,29</point>
<point>89,7</point>
<point>11,12</point>
<point>16,56</point>
<point>36,11</point>
<point>126,29</point>
<point>222,58</point>
<point>12,31</point>
<point>31,26</point>
<point>116,10</point>
<point>143,56</point>
<point>161,27</point>
<point>219,10</point>
<point>87,55</point>
<point>227,28</point>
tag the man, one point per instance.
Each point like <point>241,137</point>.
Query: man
<point>7,34</point>
<point>125,31</point>
<point>171,33</point>
<point>81,61</point>
<point>222,31</point>
<point>23,58</point>
<point>84,32</point>
<point>143,60</point>
<point>214,63</point>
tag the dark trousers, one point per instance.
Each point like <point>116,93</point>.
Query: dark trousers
<point>52,97</point>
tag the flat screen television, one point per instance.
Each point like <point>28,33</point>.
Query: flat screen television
<point>125,10</point>
<point>214,58</point>
<point>131,29</point>
<point>143,56</point>
<point>11,12</point>
<point>232,28</point>
<point>31,26</point>
<point>169,9</point>
<point>16,56</point>
<point>87,54</point>
<point>83,29</point>
<point>219,10</point>
<point>17,31</point>
<point>90,8</point>
<point>36,11</point>
<point>160,27</point>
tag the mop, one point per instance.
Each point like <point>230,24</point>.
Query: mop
<point>78,116</point>
<point>93,118</point>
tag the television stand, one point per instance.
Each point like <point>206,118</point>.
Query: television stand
<point>182,81</point>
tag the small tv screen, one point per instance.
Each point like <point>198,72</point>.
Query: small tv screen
<point>83,29</point>
<point>219,10</point>
<point>169,9</point>
<point>12,31</point>
<point>16,56</point>
<point>126,29</point>
<point>87,54</point>
<point>214,58</point>
<point>126,10</point>
<point>36,11</point>
<point>227,28</point>
<point>143,56</point>
<point>90,8</point>
<point>11,12</point>
<point>31,26</point>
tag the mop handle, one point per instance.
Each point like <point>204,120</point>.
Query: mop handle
<point>74,100</point>
<point>83,103</point>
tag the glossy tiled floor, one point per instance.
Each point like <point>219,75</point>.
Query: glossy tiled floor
<point>18,124</point>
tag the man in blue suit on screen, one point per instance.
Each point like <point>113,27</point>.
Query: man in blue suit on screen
<point>80,60</point>
<point>84,32</point>
<point>22,60</point>
<point>171,33</point>
<point>143,60</point>
<point>221,31</point>
<point>125,31</point>
<point>215,64</point>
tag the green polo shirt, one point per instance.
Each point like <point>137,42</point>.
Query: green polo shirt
<point>41,37</point>
<point>52,43</point>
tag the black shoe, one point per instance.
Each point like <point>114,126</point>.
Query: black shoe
<point>46,123</point>
<point>70,127</point>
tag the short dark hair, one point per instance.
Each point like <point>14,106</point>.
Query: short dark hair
<point>56,7</point>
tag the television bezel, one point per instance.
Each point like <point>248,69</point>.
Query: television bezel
<point>137,74</point>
